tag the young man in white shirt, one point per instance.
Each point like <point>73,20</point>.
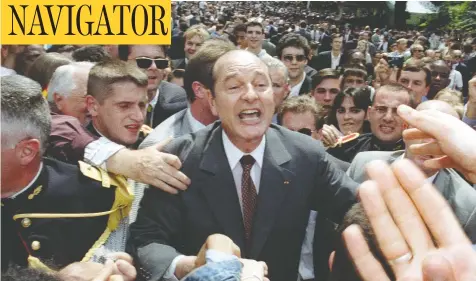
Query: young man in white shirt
<point>255,37</point>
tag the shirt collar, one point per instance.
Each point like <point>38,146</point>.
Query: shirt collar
<point>196,125</point>
<point>29,184</point>
<point>153,102</point>
<point>234,154</point>
<point>296,88</point>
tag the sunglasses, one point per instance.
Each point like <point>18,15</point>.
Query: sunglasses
<point>306,131</point>
<point>298,58</point>
<point>144,63</point>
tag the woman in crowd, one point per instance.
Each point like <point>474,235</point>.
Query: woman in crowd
<point>348,115</point>
<point>363,47</point>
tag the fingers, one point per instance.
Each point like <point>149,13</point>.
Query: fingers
<point>437,267</point>
<point>172,160</point>
<point>106,272</point>
<point>121,256</point>
<point>389,237</point>
<point>431,205</point>
<point>415,134</point>
<point>329,135</point>
<point>265,267</point>
<point>364,261</point>
<point>401,208</point>
<point>163,143</point>
<point>127,270</point>
<point>425,122</point>
<point>429,148</point>
<point>173,177</point>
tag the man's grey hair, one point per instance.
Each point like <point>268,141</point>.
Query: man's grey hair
<point>273,63</point>
<point>25,113</point>
<point>63,82</point>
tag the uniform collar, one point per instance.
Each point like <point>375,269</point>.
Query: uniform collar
<point>378,145</point>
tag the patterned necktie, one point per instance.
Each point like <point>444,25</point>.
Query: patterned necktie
<point>248,195</point>
<point>148,117</point>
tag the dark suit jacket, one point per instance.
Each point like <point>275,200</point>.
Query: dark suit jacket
<point>296,177</point>
<point>324,60</point>
<point>466,75</point>
<point>325,43</point>
<point>310,72</point>
<point>306,86</point>
<point>172,99</point>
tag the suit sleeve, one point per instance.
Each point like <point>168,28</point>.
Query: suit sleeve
<point>155,235</point>
<point>336,192</point>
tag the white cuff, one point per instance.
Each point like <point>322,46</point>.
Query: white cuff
<point>170,273</point>
<point>99,151</point>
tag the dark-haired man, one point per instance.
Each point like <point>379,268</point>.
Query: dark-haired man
<point>164,98</point>
<point>254,38</point>
<point>331,59</point>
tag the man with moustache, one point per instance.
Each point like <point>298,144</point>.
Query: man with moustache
<point>452,186</point>
<point>385,125</point>
<point>164,98</point>
<point>252,182</point>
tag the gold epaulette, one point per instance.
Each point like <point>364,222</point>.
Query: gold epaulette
<point>146,130</point>
<point>119,211</point>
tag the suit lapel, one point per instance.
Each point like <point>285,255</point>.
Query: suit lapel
<point>276,182</point>
<point>218,186</point>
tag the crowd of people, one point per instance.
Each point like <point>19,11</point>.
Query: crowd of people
<point>269,141</point>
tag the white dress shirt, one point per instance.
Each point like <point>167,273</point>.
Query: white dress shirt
<point>234,155</point>
<point>194,123</point>
<point>296,88</point>
<point>306,263</point>
<point>335,61</point>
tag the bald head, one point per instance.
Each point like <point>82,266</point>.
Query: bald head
<point>439,106</point>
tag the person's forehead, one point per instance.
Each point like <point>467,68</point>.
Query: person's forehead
<point>354,77</point>
<point>329,83</point>
<point>384,97</point>
<point>253,28</point>
<point>300,117</point>
<point>442,68</point>
<point>152,51</point>
<point>277,74</point>
<point>412,75</point>
<point>293,51</point>
<point>239,66</point>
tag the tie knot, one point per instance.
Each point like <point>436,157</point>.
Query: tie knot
<point>149,108</point>
<point>247,160</point>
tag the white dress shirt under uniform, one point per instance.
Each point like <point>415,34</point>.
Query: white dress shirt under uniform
<point>296,88</point>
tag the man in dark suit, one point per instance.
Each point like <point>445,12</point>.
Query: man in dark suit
<point>331,59</point>
<point>348,36</point>
<point>164,98</point>
<point>324,40</point>
<point>293,50</point>
<point>254,183</point>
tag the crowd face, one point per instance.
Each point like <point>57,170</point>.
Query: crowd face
<point>75,103</point>
<point>154,72</point>
<point>349,117</point>
<point>299,121</point>
<point>241,39</point>
<point>362,46</point>
<point>29,55</point>
<point>326,92</point>
<point>385,124</point>
<point>121,115</point>
<point>192,45</point>
<point>337,44</point>
<point>418,52</point>
<point>254,37</point>
<point>279,84</point>
<point>354,82</point>
<point>415,81</point>
<point>244,99</point>
<point>440,76</point>
<point>295,61</point>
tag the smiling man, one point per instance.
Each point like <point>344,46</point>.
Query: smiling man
<point>194,37</point>
<point>252,182</point>
<point>116,100</point>
<point>385,125</point>
<point>254,38</point>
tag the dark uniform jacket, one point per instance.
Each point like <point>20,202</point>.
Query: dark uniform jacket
<point>366,142</point>
<point>37,227</point>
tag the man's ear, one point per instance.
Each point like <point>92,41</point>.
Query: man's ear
<point>199,90</point>
<point>58,101</point>
<point>367,114</point>
<point>27,150</point>
<point>212,103</point>
<point>92,105</point>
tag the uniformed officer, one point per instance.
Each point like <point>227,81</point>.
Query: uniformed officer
<point>386,126</point>
<point>53,213</point>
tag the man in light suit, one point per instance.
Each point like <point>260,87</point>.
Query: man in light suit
<point>165,99</point>
<point>198,114</point>
<point>254,183</point>
<point>460,195</point>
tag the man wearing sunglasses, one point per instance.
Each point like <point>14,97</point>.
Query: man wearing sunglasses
<point>164,98</point>
<point>293,50</point>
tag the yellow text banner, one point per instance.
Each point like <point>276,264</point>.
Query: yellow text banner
<point>76,22</point>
